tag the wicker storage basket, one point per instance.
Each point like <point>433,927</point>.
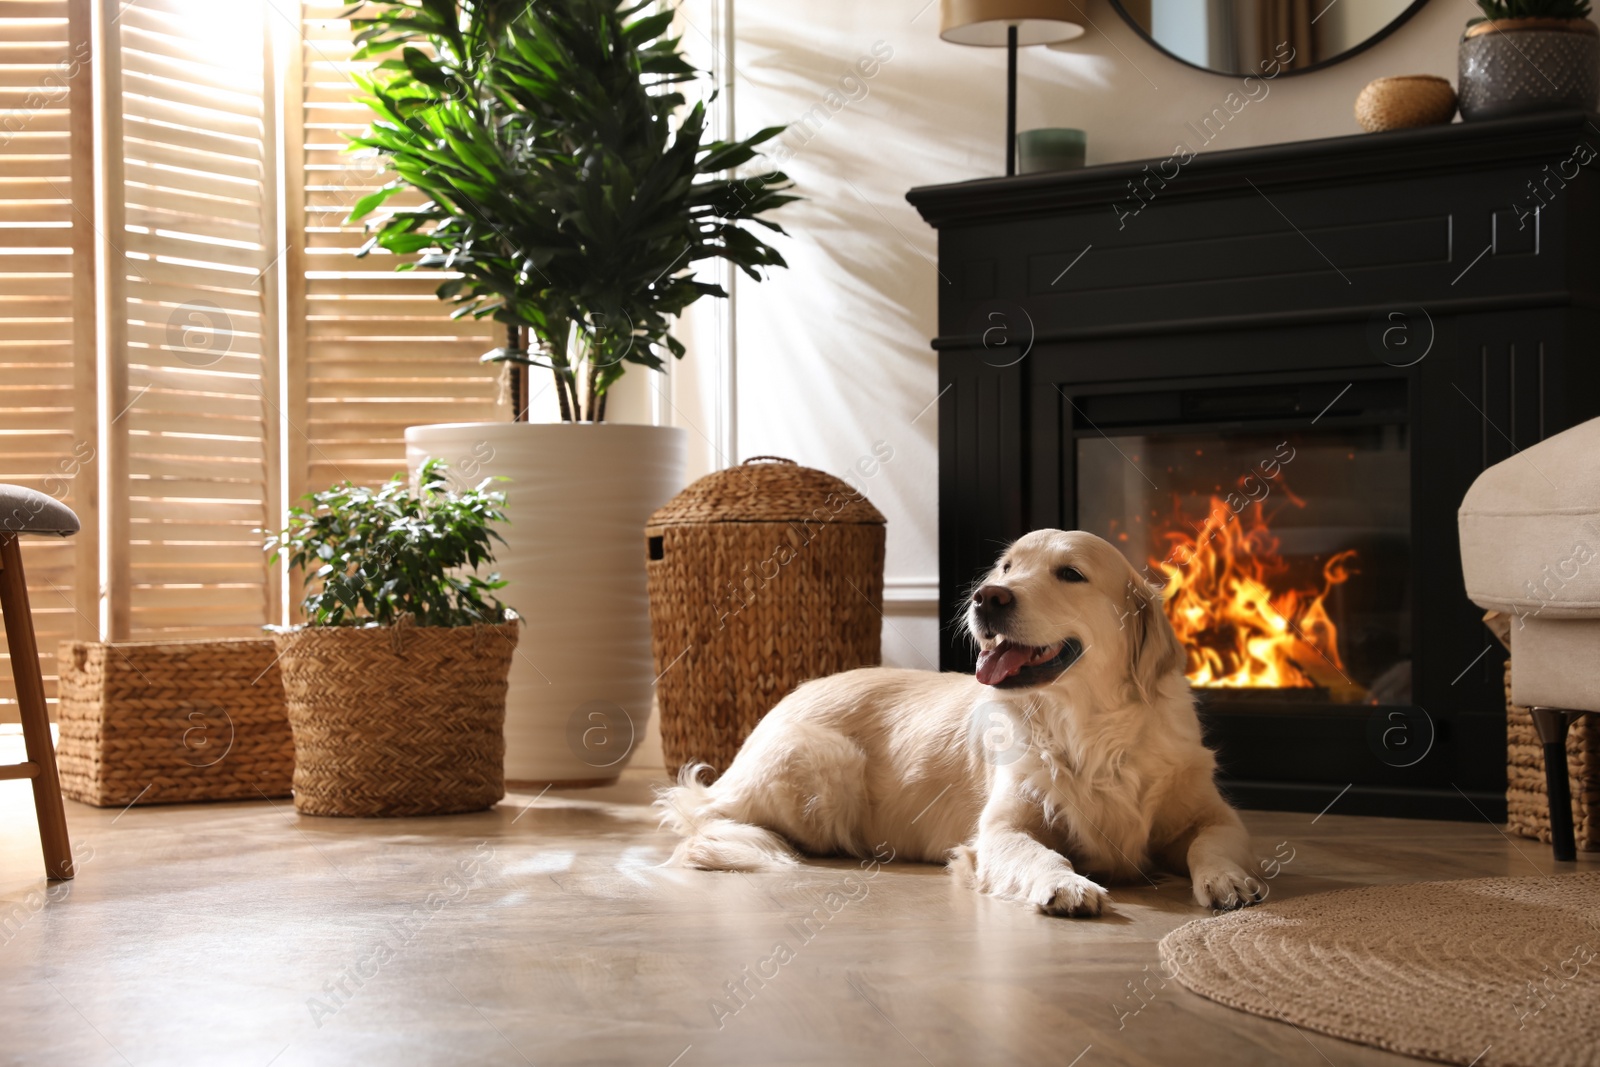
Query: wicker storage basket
<point>398,720</point>
<point>1527,805</point>
<point>761,576</point>
<point>171,722</point>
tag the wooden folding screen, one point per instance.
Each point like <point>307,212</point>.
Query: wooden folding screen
<point>178,357</point>
<point>48,413</point>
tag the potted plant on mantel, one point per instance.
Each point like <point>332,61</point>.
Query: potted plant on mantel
<point>1529,55</point>
<point>396,686</point>
<point>572,191</point>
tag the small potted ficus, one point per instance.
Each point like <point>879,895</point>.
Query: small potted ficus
<point>396,683</point>
<point>1529,55</point>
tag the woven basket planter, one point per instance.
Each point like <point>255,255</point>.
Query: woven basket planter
<point>172,722</point>
<point>397,720</point>
<point>761,576</point>
<point>1527,804</point>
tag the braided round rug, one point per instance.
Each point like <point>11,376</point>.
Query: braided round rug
<point>1490,971</point>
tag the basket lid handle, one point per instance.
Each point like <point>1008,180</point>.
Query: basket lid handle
<point>767,459</point>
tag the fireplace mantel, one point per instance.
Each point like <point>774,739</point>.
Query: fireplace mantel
<point>1459,265</point>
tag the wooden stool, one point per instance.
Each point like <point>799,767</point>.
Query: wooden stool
<point>26,511</point>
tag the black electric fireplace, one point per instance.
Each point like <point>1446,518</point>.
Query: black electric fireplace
<point>1270,388</point>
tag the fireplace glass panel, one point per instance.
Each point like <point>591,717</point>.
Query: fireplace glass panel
<point>1284,555</point>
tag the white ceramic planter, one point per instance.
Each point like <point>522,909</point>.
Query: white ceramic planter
<point>577,498</point>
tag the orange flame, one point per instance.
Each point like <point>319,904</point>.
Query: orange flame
<point>1237,610</point>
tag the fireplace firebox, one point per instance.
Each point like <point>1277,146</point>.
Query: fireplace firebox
<point>1283,551</point>
<point>1270,391</point>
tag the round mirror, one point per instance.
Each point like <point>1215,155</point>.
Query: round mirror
<point>1270,37</point>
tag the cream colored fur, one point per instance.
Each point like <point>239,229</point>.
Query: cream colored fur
<point>1033,795</point>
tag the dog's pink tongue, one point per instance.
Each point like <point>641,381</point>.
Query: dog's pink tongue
<point>997,664</point>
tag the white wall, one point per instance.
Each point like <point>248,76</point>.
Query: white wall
<point>832,355</point>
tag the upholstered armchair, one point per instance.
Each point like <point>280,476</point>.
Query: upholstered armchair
<point>1530,548</point>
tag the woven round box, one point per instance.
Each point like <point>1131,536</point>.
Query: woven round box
<point>1404,102</point>
<point>761,577</point>
<point>397,720</point>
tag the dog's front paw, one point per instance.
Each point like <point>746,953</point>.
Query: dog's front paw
<point>1227,886</point>
<point>1073,895</point>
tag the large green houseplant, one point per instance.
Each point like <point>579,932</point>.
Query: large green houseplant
<point>396,685</point>
<point>567,182</point>
<point>571,191</point>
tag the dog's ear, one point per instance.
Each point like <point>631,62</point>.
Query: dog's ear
<point>1153,648</point>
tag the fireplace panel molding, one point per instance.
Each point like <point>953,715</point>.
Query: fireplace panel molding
<point>1271,255</point>
<point>1446,280</point>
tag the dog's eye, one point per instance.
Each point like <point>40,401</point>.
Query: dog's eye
<point>1070,574</point>
<point>1005,568</point>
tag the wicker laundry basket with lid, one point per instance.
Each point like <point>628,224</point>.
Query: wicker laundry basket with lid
<point>761,577</point>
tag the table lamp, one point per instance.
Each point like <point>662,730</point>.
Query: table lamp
<point>1008,23</point>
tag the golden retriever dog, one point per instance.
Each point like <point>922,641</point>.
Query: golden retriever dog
<point>1074,757</point>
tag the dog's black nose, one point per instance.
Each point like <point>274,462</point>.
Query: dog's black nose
<point>992,597</point>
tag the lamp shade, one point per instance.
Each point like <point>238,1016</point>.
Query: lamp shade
<point>984,22</point>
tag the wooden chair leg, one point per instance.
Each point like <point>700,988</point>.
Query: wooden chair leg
<point>1552,724</point>
<point>24,651</point>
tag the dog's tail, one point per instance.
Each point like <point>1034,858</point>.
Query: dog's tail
<point>711,840</point>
